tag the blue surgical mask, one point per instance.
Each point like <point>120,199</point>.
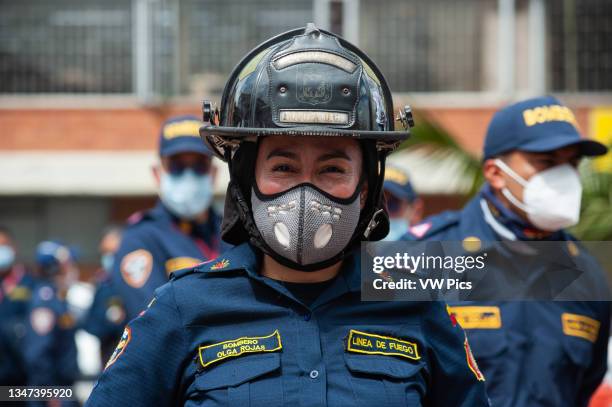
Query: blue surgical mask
<point>186,195</point>
<point>398,227</point>
<point>107,260</point>
<point>7,257</point>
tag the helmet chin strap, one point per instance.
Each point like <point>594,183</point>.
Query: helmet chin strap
<point>378,209</point>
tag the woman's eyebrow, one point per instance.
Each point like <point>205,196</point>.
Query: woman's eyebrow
<point>333,155</point>
<point>280,152</point>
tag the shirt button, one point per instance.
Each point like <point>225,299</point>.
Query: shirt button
<point>307,317</point>
<point>314,374</point>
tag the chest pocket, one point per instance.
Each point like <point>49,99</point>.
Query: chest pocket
<point>378,380</point>
<point>248,381</point>
<point>560,366</point>
<point>579,351</point>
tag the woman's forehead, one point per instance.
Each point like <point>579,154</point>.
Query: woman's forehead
<point>302,144</point>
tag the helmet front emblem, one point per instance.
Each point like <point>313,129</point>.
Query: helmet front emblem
<point>312,87</point>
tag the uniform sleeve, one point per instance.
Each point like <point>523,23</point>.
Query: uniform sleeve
<point>596,372</point>
<point>145,368</point>
<point>38,341</point>
<point>456,380</point>
<point>106,316</point>
<point>49,347</point>
<point>136,272</point>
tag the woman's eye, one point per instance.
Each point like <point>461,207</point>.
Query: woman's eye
<point>282,168</point>
<point>333,169</point>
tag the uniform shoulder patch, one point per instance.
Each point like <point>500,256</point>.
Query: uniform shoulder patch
<point>42,320</point>
<point>123,342</point>
<point>580,326</point>
<point>136,267</point>
<point>216,352</point>
<point>115,314</point>
<point>135,218</point>
<point>66,321</point>
<point>20,293</point>
<point>374,344</point>
<point>45,293</point>
<point>221,264</point>
<point>179,263</point>
<point>471,361</point>
<point>420,229</point>
<point>434,224</point>
<point>477,317</point>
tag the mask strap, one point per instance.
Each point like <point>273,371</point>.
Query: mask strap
<point>505,168</point>
<point>506,192</point>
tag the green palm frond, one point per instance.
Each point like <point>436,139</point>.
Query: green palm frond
<point>439,146</point>
<point>596,210</point>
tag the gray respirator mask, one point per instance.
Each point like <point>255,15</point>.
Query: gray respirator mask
<point>305,225</point>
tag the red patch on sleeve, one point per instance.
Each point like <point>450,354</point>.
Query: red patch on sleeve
<point>420,229</point>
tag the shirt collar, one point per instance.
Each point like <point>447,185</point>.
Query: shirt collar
<point>246,257</point>
<point>507,221</point>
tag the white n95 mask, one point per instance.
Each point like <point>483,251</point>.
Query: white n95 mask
<point>186,195</point>
<point>551,198</point>
<point>304,224</point>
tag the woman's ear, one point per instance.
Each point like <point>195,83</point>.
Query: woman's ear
<point>363,196</point>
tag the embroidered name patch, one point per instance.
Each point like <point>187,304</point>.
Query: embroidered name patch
<point>313,116</point>
<point>477,317</point>
<point>216,352</point>
<point>580,326</point>
<point>363,342</point>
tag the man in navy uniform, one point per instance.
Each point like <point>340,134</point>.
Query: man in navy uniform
<point>15,293</point>
<point>106,316</point>
<point>404,205</point>
<point>533,353</point>
<point>182,230</point>
<point>306,124</point>
<point>49,345</point>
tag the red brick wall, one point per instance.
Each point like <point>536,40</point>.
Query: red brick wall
<point>137,128</point>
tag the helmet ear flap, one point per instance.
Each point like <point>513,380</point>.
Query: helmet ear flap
<point>374,224</point>
<point>236,216</point>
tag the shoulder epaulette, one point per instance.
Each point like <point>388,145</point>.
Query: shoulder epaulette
<point>434,225</point>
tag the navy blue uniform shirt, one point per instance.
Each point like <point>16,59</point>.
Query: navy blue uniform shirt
<point>533,353</point>
<point>15,294</point>
<point>50,349</point>
<point>223,335</point>
<point>155,244</point>
<point>106,316</point>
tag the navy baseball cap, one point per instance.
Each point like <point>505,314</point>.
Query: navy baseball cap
<point>51,253</point>
<point>397,183</point>
<point>181,134</point>
<point>537,125</point>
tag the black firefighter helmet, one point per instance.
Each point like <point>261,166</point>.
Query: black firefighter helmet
<point>305,82</point>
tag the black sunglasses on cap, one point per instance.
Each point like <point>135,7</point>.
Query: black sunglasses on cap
<point>177,167</point>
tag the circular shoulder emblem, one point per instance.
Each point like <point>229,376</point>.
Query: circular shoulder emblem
<point>42,320</point>
<point>136,267</point>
